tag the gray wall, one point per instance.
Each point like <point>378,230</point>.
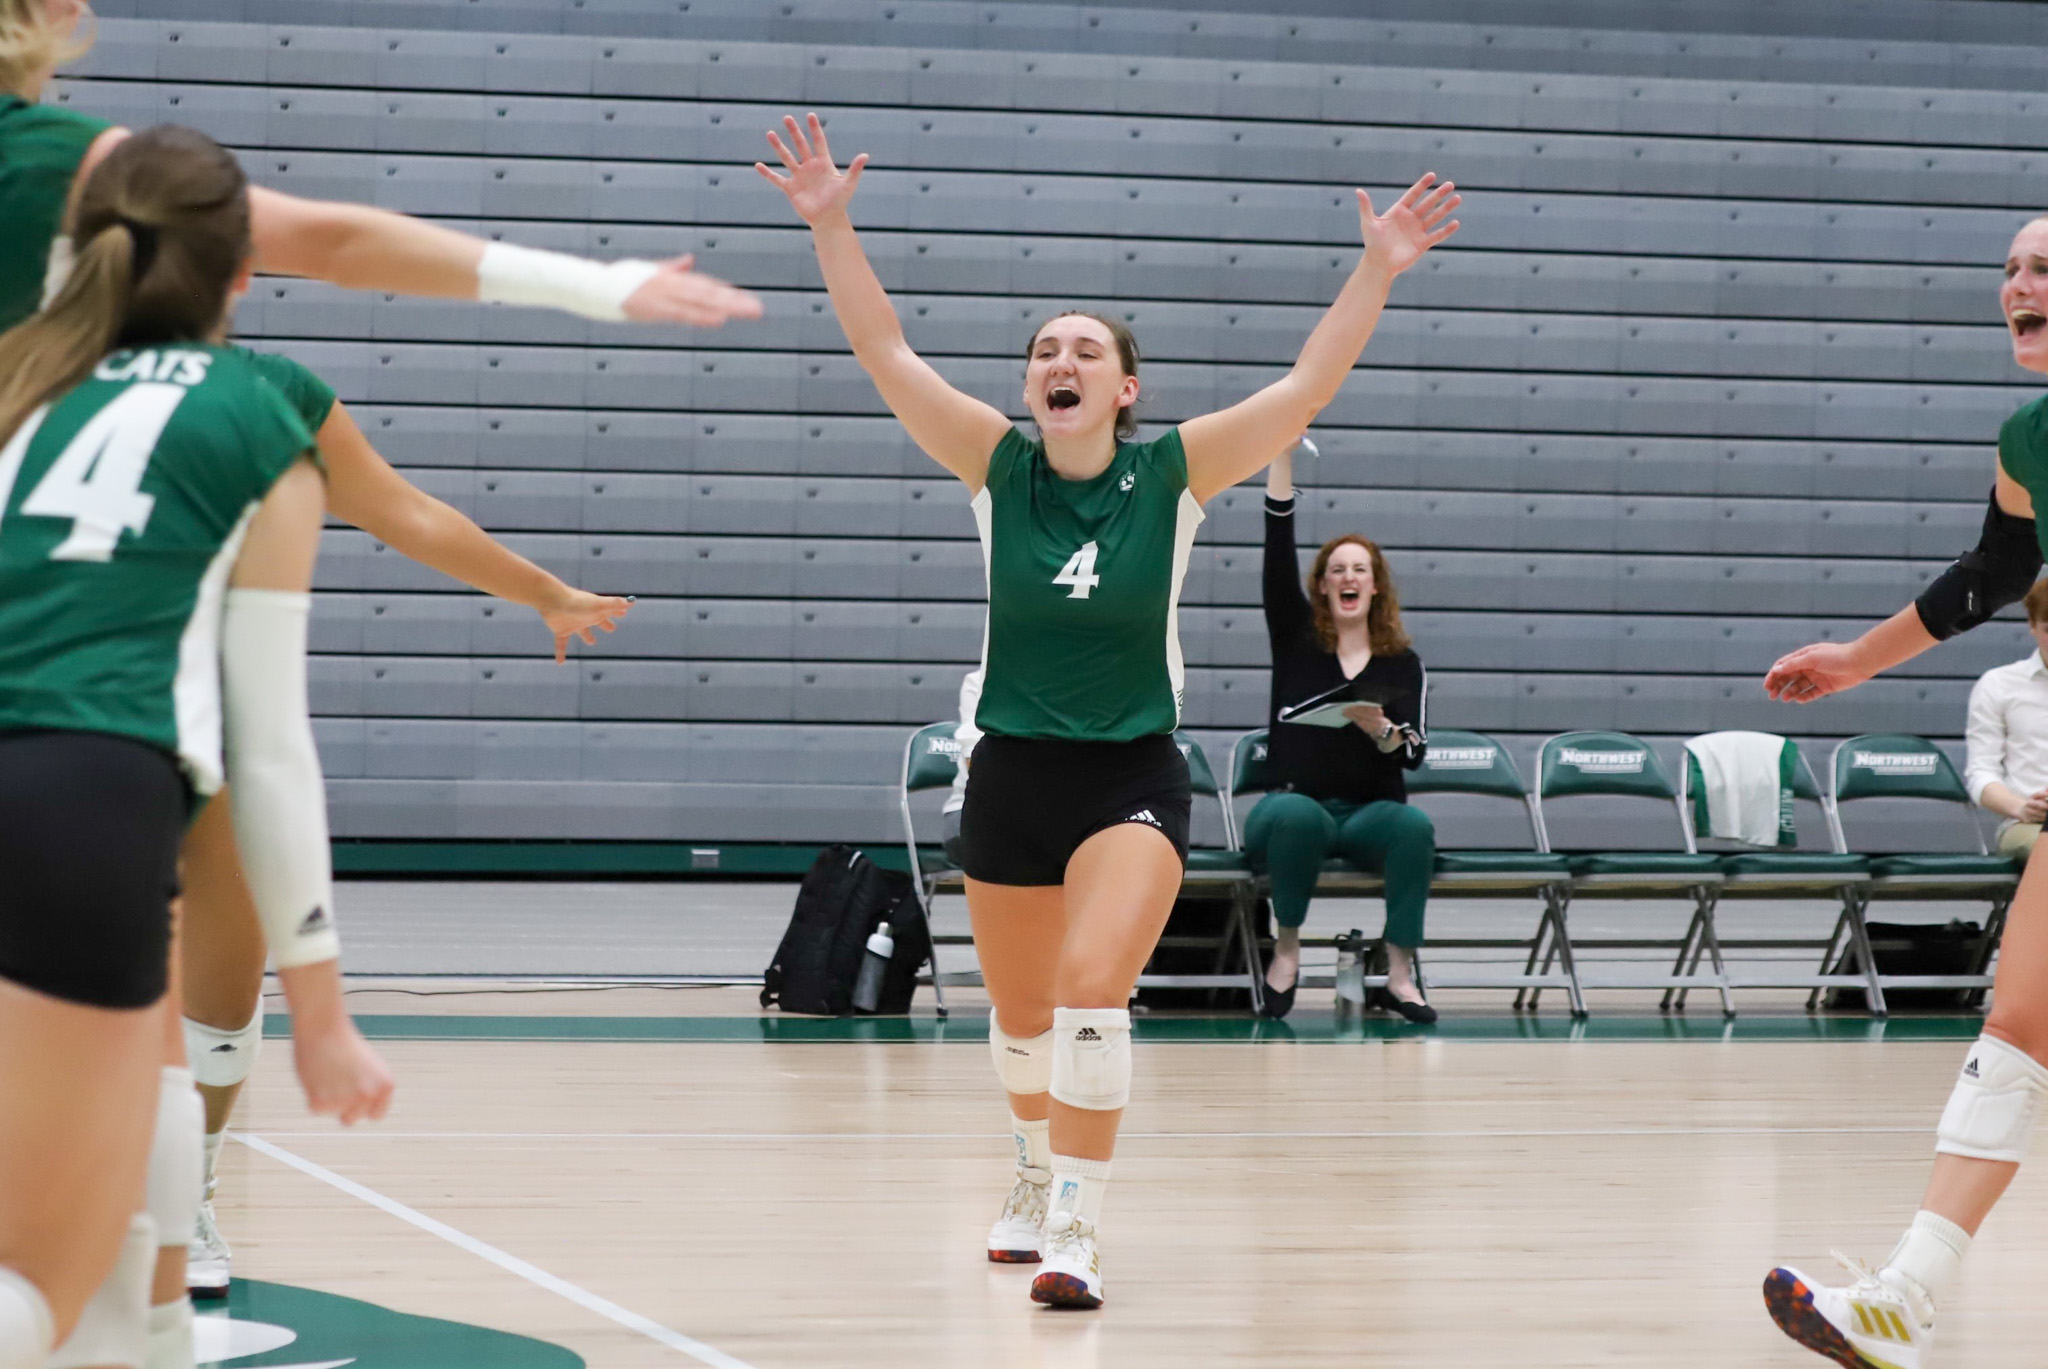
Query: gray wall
<point>1714,368</point>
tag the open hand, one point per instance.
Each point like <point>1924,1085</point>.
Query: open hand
<point>579,613</point>
<point>679,293</point>
<point>817,189</point>
<point>1814,672</point>
<point>1418,221</point>
<point>1370,717</point>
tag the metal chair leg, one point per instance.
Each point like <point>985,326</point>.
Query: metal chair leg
<point>1859,932</point>
<point>1573,989</point>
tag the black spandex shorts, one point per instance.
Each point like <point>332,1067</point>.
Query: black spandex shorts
<point>1032,801</point>
<point>89,830</point>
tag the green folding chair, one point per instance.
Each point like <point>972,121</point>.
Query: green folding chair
<point>1894,765</point>
<point>1615,764</point>
<point>931,758</point>
<point>1221,874</point>
<point>1834,875</point>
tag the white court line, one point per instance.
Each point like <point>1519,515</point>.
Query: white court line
<point>371,1134</point>
<point>632,1321</point>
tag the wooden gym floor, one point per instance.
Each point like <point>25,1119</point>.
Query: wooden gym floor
<point>792,1195</point>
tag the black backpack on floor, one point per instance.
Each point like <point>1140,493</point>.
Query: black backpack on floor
<point>843,899</point>
<point>1915,948</point>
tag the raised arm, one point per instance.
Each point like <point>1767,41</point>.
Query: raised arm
<point>1994,574</point>
<point>1288,614</point>
<point>361,248</point>
<point>365,491</point>
<point>1223,448</point>
<point>955,429</point>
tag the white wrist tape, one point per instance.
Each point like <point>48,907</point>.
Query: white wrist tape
<point>274,774</point>
<point>555,280</point>
<point>113,1330</point>
<point>1023,1063</point>
<point>177,1157</point>
<point>1992,1109</point>
<point>1091,1057</point>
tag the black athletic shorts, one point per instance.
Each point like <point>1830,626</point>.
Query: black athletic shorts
<point>90,825</point>
<point>1032,801</point>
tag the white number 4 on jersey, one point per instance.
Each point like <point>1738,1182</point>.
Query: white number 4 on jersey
<point>1079,572</point>
<point>96,481</point>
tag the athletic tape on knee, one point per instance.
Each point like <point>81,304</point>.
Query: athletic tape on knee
<point>223,1059</point>
<point>1023,1063</point>
<point>1991,1111</point>
<point>177,1163</point>
<point>114,1328</point>
<point>1091,1057</point>
<point>25,1323</point>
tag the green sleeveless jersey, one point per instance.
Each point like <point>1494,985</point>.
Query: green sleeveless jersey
<point>1084,584</point>
<point>2023,451</point>
<point>40,150</point>
<point>310,397</point>
<point>122,506</point>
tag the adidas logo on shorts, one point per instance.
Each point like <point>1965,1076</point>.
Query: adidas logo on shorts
<point>1143,815</point>
<point>1087,1034</point>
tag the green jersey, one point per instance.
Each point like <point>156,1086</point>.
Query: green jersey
<point>122,505</point>
<point>1084,582</point>
<point>2023,451</point>
<point>41,148</point>
<point>310,397</point>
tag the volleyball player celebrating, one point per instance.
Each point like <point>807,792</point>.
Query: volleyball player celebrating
<point>1886,1319</point>
<point>1075,829</point>
<point>158,524</point>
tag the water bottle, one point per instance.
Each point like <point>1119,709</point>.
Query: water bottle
<point>1351,967</point>
<point>867,987</point>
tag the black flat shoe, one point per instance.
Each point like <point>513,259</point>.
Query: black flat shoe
<point>1419,1013</point>
<point>1277,1003</point>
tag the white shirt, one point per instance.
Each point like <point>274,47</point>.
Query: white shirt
<point>967,734</point>
<point>2008,732</point>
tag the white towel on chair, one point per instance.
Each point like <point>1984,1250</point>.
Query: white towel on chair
<point>1745,779</point>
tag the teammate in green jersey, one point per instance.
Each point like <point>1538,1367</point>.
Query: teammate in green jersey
<point>1887,1317</point>
<point>44,152</point>
<point>158,524</point>
<point>1075,828</point>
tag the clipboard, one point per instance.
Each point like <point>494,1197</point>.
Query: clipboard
<point>1327,708</point>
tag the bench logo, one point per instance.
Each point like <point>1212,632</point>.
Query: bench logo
<point>1603,762</point>
<point>942,746</point>
<point>1461,758</point>
<point>276,1326</point>
<point>1897,762</point>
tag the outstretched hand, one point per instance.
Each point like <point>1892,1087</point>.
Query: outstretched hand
<point>817,189</point>
<point>1418,221</point>
<point>1814,672</point>
<point>578,613</point>
<point>679,293</point>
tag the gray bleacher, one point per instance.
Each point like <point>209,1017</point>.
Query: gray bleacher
<point>1713,369</point>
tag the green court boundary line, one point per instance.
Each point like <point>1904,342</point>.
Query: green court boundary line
<point>1310,1030</point>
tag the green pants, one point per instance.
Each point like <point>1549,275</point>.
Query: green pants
<point>1289,836</point>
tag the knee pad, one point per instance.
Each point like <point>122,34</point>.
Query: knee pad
<point>114,1328</point>
<point>1091,1057</point>
<point>25,1323</point>
<point>1991,1111</point>
<point>170,1336</point>
<point>222,1059</point>
<point>177,1163</point>
<point>1023,1063</point>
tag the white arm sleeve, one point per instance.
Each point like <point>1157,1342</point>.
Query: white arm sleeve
<point>555,280</point>
<point>280,801</point>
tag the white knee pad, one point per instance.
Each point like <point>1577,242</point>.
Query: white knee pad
<point>1023,1063</point>
<point>1091,1057</point>
<point>25,1323</point>
<point>177,1157</point>
<point>221,1059</point>
<point>114,1328</point>
<point>1991,1111</point>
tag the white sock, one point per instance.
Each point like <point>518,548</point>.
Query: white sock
<point>214,1141</point>
<point>170,1335</point>
<point>1034,1147</point>
<point>1929,1253</point>
<point>26,1327</point>
<point>1078,1186</point>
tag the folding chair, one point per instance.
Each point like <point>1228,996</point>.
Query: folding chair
<point>931,758</point>
<point>1835,875</point>
<point>1221,874</point>
<point>1615,764</point>
<point>1893,765</point>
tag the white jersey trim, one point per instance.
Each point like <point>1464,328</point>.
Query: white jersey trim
<point>984,505</point>
<point>1188,518</point>
<point>195,693</point>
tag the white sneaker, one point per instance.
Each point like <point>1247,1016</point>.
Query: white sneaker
<point>207,1258</point>
<point>1071,1275</point>
<point>1017,1237</point>
<point>1875,1323</point>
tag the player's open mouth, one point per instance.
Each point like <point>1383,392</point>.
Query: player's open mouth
<point>1347,598</point>
<point>2026,320</point>
<point>1062,397</point>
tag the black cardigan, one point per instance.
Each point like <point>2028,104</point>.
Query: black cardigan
<point>1325,762</point>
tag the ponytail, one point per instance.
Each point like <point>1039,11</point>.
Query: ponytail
<point>162,230</point>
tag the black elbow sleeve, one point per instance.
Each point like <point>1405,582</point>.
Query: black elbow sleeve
<point>1998,571</point>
